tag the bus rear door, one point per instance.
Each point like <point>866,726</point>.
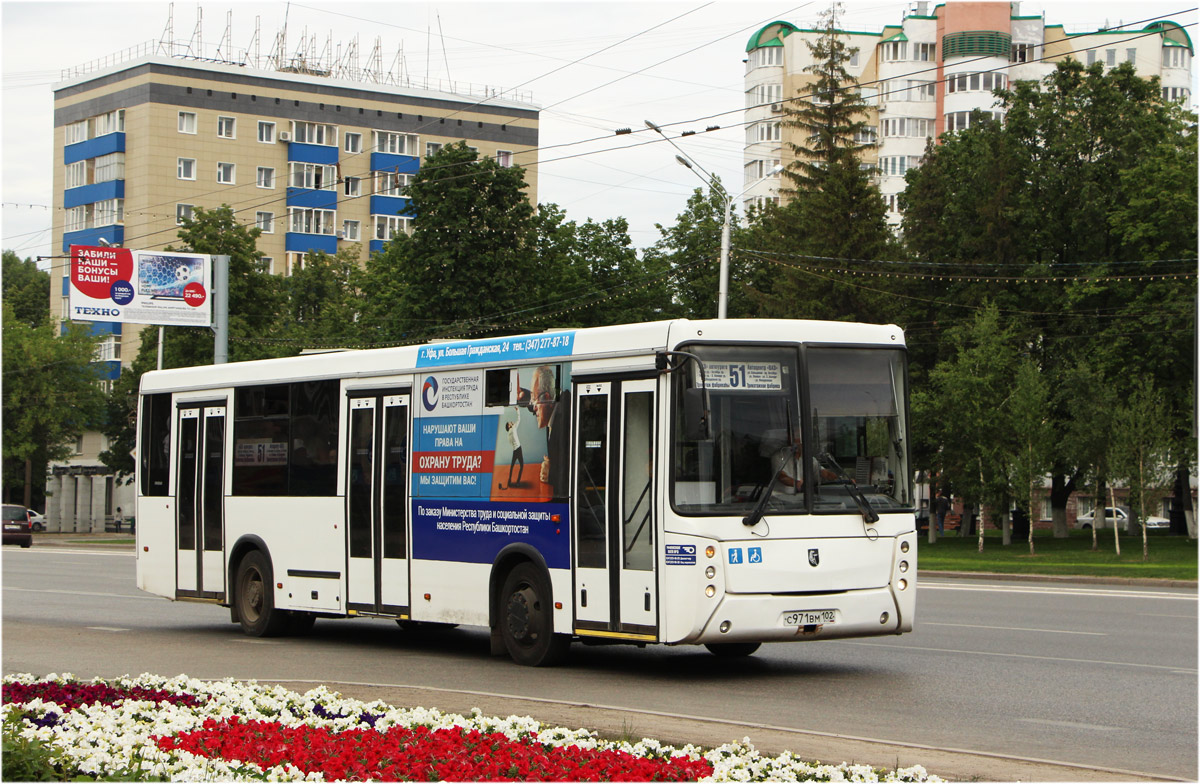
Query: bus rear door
<point>376,503</point>
<point>614,520</point>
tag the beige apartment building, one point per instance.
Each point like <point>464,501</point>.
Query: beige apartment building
<point>929,73</point>
<point>317,158</point>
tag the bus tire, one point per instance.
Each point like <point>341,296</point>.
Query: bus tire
<point>526,623</point>
<point>256,597</point>
<point>730,650</point>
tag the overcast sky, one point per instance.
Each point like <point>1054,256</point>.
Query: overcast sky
<point>593,67</point>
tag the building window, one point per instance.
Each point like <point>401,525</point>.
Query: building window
<point>432,148</point>
<point>391,183</point>
<point>1110,57</point>
<point>766,56</point>
<point>90,216</point>
<point>894,51</point>
<point>110,122</point>
<point>504,158</point>
<point>396,143</point>
<point>109,348</point>
<point>266,132</point>
<point>265,221</point>
<point>265,263</point>
<point>314,176</point>
<point>1091,56</point>
<point>353,143</point>
<point>767,132</point>
<point>185,168</point>
<point>187,122</point>
<point>265,177</point>
<point>183,213</point>
<point>897,165</point>
<point>958,121</point>
<point>75,132</point>
<point>924,53</point>
<point>310,221</point>
<point>918,127</point>
<point>974,82</point>
<point>75,219</point>
<point>1176,57</point>
<point>865,136</point>
<point>388,226</point>
<point>1023,53</point>
<point>1176,93</point>
<point>227,127</point>
<point>108,167</point>
<point>227,173</point>
<point>352,186</point>
<point>76,175</point>
<point>1131,55</point>
<point>314,133</point>
<point>350,230</point>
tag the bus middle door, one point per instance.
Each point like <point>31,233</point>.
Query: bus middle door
<point>377,503</point>
<point>613,519</point>
<point>200,500</point>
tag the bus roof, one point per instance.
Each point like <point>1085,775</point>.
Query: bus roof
<point>560,345</point>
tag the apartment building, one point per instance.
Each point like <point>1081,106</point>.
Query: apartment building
<point>927,74</point>
<point>318,160</point>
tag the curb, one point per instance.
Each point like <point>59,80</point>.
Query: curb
<point>1150,582</point>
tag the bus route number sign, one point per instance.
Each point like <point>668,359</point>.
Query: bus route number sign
<point>752,376</point>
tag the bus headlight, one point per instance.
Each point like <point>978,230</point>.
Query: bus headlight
<point>710,572</point>
<point>904,546</point>
<point>710,591</point>
<point>902,584</point>
<point>903,566</point>
<point>710,551</point>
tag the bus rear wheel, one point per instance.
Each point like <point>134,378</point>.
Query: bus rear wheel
<point>525,618</point>
<point>730,650</point>
<point>255,598</point>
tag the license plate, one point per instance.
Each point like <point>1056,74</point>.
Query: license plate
<point>809,617</point>
<point>10,527</point>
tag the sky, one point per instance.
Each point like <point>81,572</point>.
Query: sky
<point>592,67</point>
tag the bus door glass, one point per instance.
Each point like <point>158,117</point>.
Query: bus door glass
<point>199,500</point>
<point>614,517</point>
<point>376,503</point>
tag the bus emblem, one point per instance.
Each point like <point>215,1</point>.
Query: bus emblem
<point>429,393</point>
<point>814,557</point>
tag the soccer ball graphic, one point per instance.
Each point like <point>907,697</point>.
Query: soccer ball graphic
<point>182,273</point>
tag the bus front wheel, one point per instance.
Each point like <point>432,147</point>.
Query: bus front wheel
<point>732,649</point>
<point>255,598</point>
<point>526,623</point>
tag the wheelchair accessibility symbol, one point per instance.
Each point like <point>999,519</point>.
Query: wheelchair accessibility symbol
<point>754,555</point>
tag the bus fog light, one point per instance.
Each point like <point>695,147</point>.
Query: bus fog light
<point>710,551</point>
<point>904,566</point>
<point>710,591</point>
<point>904,547</point>
<point>710,572</point>
<point>903,584</point>
<point>725,626</point>
<point>883,618</point>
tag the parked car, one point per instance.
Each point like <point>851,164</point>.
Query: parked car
<point>18,528</point>
<point>38,520</point>
<point>1123,518</point>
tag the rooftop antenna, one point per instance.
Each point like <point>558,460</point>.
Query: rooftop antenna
<point>252,49</point>
<point>197,35</point>
<point>166,43</point>
<point>226,44</point>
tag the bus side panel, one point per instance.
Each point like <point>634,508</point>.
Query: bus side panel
<point>685,607</point>
<point>305,536</point>
<point>156,545</point>
<point>457,592</point>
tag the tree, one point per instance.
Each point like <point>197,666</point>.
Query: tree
<point>1138,450</point>
<point>1031,437</point>
<point>323,300</point>
<point>26,289</point>
<point>51,394</point>
<point>466,267</point>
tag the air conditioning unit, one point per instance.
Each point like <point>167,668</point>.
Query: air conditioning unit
<point>284,136</point>
<point>341,235</point>
<point>777,108</point>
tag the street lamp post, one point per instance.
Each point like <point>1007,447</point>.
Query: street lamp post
<point>726,226</point>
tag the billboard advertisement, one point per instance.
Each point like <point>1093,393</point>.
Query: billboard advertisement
<point>140,286</point>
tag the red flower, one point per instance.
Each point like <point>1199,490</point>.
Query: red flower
<point>72,695</point>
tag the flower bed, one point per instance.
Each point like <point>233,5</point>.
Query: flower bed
<point>152,727</point>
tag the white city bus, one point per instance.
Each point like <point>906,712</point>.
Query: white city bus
<point>723,483</point>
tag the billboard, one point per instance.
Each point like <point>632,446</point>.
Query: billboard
<point>140,286</point>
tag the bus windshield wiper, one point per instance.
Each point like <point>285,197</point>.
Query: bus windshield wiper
<point>869,515</point>
<point>760,508</point>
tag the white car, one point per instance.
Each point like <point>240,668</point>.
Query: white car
<point>38,519</point>
<point>1120,515</point>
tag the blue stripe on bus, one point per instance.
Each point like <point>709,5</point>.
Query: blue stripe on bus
<point>497,350</point>
<point>476,531</point>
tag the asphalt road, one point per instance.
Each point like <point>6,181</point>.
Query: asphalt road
<point>1087,675</point>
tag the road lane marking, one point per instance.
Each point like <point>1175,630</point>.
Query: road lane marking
<point>1075,725</point>
<point>1059,591</point>
<point>1012,628</point>
<point>108,628</point>
<point>76,551</point>
<point>1168,667</point>
<point>85,593</point>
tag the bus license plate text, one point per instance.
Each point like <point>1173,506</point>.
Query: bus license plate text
<point>809,617</point>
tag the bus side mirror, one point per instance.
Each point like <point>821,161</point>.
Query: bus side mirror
<point>695,416</point>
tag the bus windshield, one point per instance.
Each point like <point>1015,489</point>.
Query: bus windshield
<point>759,443</point>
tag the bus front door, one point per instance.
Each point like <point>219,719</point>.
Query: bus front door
<point>376,504</point>
<point>614,520</point>
<point>200,500</point>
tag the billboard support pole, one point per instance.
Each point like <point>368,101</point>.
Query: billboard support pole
<point>220,309</point>
<point>160,345</point>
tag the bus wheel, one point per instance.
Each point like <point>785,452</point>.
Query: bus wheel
<point>255,599</point>
<point>525,621</point>
<point>729,650</point>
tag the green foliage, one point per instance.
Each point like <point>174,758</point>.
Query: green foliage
<point>26,289</point>
<point>51,392</point>
<point>323,300</point>
<point>691,249</point>
<point>1138,450</point>
<point>24,759</point>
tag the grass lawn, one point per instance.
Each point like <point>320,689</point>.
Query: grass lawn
<point>1172,557</point>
